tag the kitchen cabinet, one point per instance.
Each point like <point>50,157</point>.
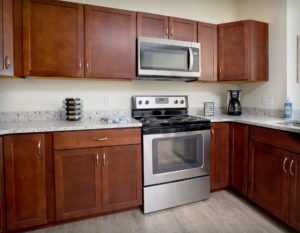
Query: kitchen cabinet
<point>150,25</point>
<point>219,156</point>
<point>294,192</point>
<point>6,38</point>
<point>243,51</point>
<point>77,183</point>
<point>269,179</point>
<point>2,192</point>
<point>110,43</point>
<point>239,137</point>
<point>24,157</point>
<point>53,38</point>
<point>207,37</point>
<point>121,172</point>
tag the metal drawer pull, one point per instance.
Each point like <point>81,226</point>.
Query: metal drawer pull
<point>104,159</point>
<point>7,62</point>
<point>101,139</point>
<point>291,166</point>
<point>167,32</point>
<point>284,162</point>
<point>172,31</point>
<point>97,160</point>
<point>39,148</point>
<point>79,65</point>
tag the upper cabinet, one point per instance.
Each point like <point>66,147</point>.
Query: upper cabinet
<point>110,43</point>
<point>243,51</point>
<point>6,38</point>
<point>159,26</point>
<point>208,39</point>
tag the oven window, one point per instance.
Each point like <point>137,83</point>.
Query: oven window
<point>177,153</point>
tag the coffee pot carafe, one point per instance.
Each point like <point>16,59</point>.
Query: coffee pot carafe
<point>234,106</point>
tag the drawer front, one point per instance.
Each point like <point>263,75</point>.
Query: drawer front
<point>280,139</point>
<point>96,138</point>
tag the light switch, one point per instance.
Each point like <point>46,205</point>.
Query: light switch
<point>267,100</point>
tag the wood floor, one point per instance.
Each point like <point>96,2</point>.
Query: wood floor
<point>223,212</point>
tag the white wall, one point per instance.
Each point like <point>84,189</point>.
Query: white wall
<point>293,29</point>
<point>274,13</point>
<point>35,95</point>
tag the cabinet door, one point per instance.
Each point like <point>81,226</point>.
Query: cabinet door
<point>233,51</point>
<point>53,38</point>
<point>239,135</point>
<point>24,157</point>
<point>182,29</point>
<point>269,178</point>
<point>110,43</point>
<point>2,198</point>
<point>121,177</point>
<point>77,183</point>
<point>6,38</point>
<point>150,25</point>
<point>294,200</point>
<point>207,37</point>
<point>219,156</point>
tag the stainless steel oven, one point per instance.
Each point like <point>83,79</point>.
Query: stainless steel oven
<point>168,59</point>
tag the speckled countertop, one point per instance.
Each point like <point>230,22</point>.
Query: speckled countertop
<point>14,127</point>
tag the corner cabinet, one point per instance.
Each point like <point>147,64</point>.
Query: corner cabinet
<point>6,38</point>
<point>243,51</point>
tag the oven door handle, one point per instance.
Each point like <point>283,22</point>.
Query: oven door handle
<point>191,59</point>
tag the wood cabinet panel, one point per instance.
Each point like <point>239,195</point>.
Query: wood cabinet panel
<point>239,157</point>
<point>121,177</point>
<point>25,180</point>
<point>6,38</point>
<point>219,156</point>
<point>182,29</point>
<point>207,37</point>
<point>150,25</point>
<point>2,191</point>
<point>268,182</point>
<point>294,198</point>
<point>77,183</point>
<point>53,38</point>
<point>110,43</point>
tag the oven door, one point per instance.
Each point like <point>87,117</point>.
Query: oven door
<point>176,156</point>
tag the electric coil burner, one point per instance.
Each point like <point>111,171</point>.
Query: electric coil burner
<point>176,150</point>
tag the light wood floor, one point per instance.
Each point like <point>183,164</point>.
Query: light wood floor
<point>223,212</point>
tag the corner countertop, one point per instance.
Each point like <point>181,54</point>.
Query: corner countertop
<point>15,127</point>
<point>262,121</point>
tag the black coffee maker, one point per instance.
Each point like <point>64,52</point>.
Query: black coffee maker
<point>234,106</point>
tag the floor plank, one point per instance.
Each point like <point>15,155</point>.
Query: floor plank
<point>224,212</point>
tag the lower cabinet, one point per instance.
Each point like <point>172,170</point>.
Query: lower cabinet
<point>2,199</point>
<point>25,183</point>
<point>121,177</point>
<point>219,156</point>
<point>269,179</point>
<point>77,183</point>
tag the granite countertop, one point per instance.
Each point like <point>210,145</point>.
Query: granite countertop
<point>14,127</point>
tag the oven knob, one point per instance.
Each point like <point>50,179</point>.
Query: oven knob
<point>147,102</point>
<point>176,102</point>
<point>140,102</point>
<point>182,101</point>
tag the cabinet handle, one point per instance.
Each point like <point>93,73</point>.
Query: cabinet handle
<point>97,160</point>
<point>87,66</point>
<point>39,148</point>
<point>220,71</point>
<point>104,159</point>
<point>213,132</point>
<point>7,62</point>
<point>284,162</point>
<point>79,65</point>
<point>291,166</point>
<point>101,139</point>
<point>167,31</point>
<point>172,31</point>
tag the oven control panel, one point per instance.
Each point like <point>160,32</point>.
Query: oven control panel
<point>159,102</point>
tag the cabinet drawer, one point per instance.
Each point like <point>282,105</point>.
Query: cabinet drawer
<point>96,138</point>
<point>280,139</point>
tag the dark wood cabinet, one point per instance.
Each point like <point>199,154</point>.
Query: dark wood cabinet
<point>182,29</point>
<point>208,39</point>
<point>239,135</point>
<point>2,191</point>
<point>150,25</point>
<point>269,179</point>
<point>6,38</point>
<point>25,185</point>
<point>53,38</point>
<point>77,183</point>
<point>121,177</point>
<point>243,51</point>
<point>110,43</point>
<point>219,156</point>
<point>294,198</point>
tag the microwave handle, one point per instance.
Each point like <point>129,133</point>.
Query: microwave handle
<point>191,60</point>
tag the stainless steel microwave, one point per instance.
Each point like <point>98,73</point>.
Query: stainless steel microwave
<point>168,59</point>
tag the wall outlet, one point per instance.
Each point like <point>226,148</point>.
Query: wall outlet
<point>106,102</point>
<point>267,100</point>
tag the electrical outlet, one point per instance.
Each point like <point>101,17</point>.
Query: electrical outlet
<point>106,102</point>
<point>267,100</point>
